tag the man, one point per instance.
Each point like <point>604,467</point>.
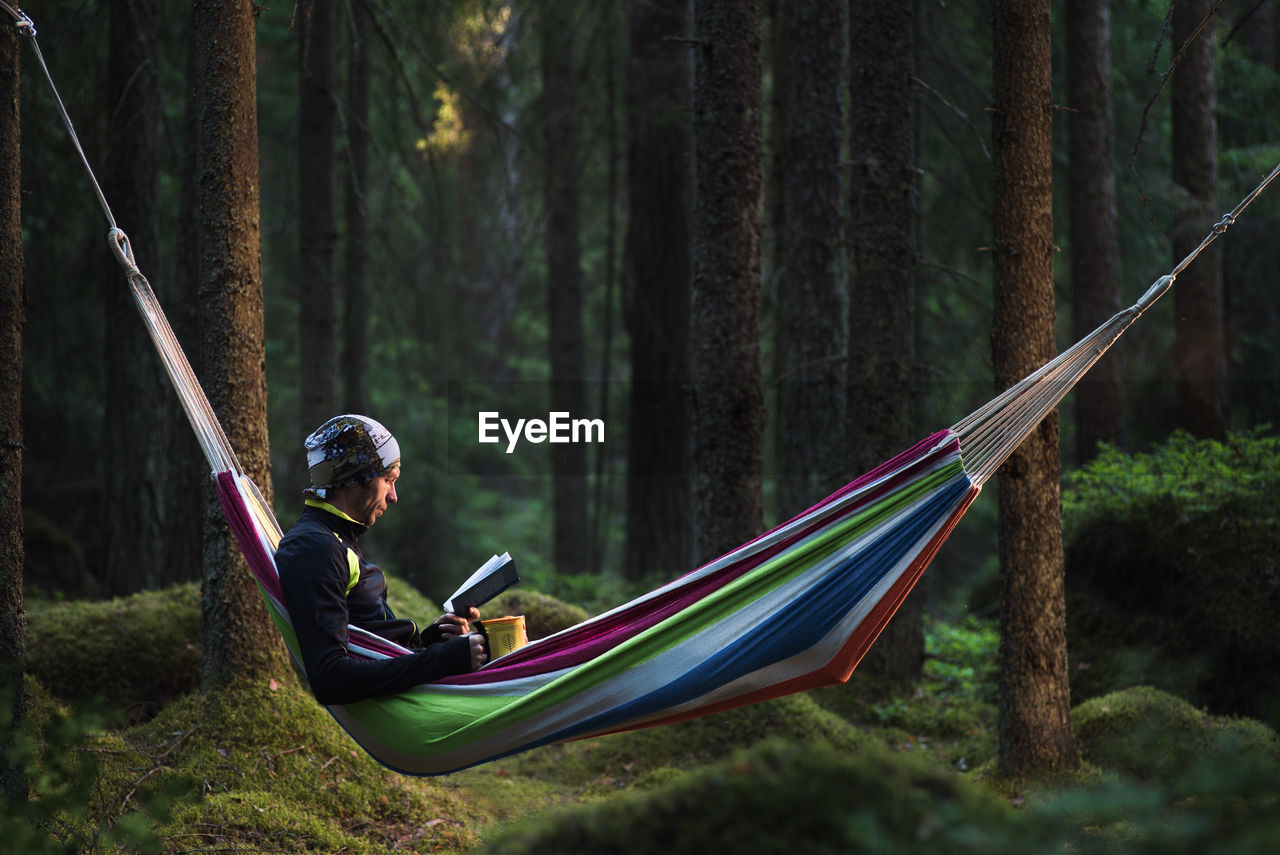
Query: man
<point>354,463</point>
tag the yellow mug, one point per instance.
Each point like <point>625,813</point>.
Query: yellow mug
<point>505,634</point>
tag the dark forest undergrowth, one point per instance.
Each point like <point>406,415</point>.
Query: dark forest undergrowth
<point>867,766</point>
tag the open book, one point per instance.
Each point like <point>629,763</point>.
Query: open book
<point>494,576</point>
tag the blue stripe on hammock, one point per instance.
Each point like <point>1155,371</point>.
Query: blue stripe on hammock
<point>813,614</point>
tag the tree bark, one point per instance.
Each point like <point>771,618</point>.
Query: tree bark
<point>1199,339</point>
<point>1095,250</point>
<point>811,301</point>
<point>727,368</point>
<point>558,35</point>
<point>355,361</point>
<point>318,346</point>
<point>13,308</point>
<point>239,639</point>
<point>659,284</point>
<point>1034,713</point>
<point>137,480</point>
<point>884,240</point>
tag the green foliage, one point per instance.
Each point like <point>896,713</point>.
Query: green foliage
<point>1178,780</point>
<point>1192,477</point>
<point>58,752</point>
<point>133,653</point>
<point>266,768</point>
<point>1173,576</point>
<point>950,714</point>
<point>650,757</point>
<point>1152,735</point>
<point>782,796</point>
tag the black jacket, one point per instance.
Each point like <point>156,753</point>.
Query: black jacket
<point>328,585</point>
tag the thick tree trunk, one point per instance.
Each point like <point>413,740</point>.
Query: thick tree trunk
<point>137,481</point>
<point>239,639</point>
<point>728,425</point>
<point>355,361</point>
<point>13,308</point>
<point>1095,250</point>
<point>811,301</point>
<point>318,347</point>
<point>1199,339</point>
<point>1034,715</point>
<point>884,258</point>
<point>572,535</point>
<point>659,283</point>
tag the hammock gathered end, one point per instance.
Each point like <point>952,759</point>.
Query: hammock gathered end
<point>708,640</point>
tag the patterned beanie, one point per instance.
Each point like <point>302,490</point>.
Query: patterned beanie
<point>349,450</point>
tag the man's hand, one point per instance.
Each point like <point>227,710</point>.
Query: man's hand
<point>479,650</point>
<point>451,625</point>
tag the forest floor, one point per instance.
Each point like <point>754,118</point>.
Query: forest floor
<point>867,766</point>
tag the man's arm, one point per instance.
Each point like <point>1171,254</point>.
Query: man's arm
<point>313,574</point>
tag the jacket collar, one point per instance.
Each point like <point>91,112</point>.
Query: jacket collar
<point>335,519</point>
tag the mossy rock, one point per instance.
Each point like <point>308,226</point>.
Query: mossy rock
<point>782,796</point>
<point>1152,735</point>
<point>1173,574</point>
<point>262,767</point>
<point>543,614</point>
<point>649,756</point>
<point>132,653</point>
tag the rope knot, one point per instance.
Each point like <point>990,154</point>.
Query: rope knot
<point>122,249</point>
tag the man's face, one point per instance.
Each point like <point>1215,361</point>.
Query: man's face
<point>366,502</point>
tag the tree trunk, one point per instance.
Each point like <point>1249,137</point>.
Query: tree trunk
<point>1034,714</point>
<point>355,362</point>
<point>558,34</point>
<point>659,292</point>
<point>13,308</point>
<point>239,639</point>
<point>137,480</point>
<point>318,347</point>
<point>1199,339</point>
<point>728,423</point>
<point>1095,250</point>
<point>811,305</point>
<point>884,257</point>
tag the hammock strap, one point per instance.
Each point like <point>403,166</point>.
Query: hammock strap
<point>213,440</point>
<point>991,433</point>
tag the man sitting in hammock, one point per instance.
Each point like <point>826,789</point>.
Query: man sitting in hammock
<point>354,463</point>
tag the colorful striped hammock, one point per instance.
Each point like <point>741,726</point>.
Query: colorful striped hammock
<point>697,645</point>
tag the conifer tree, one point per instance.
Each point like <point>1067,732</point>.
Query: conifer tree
<point>1035,712</point>
<point>13,784</point>
<point>728,426</point>
<point>239,638</point>
<point>659,282</point>
<point>1095,249</point>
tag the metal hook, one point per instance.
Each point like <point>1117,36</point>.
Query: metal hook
<point>24,23</point>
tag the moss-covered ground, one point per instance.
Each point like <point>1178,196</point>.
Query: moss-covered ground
<point>867,766</point>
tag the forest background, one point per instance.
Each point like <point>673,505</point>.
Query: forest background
<point>475,206</point>
<point>459,213</point>
<point>454,246</point>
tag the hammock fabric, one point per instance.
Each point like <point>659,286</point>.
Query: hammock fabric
<point>692,647</point>
<point>696,645</point>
